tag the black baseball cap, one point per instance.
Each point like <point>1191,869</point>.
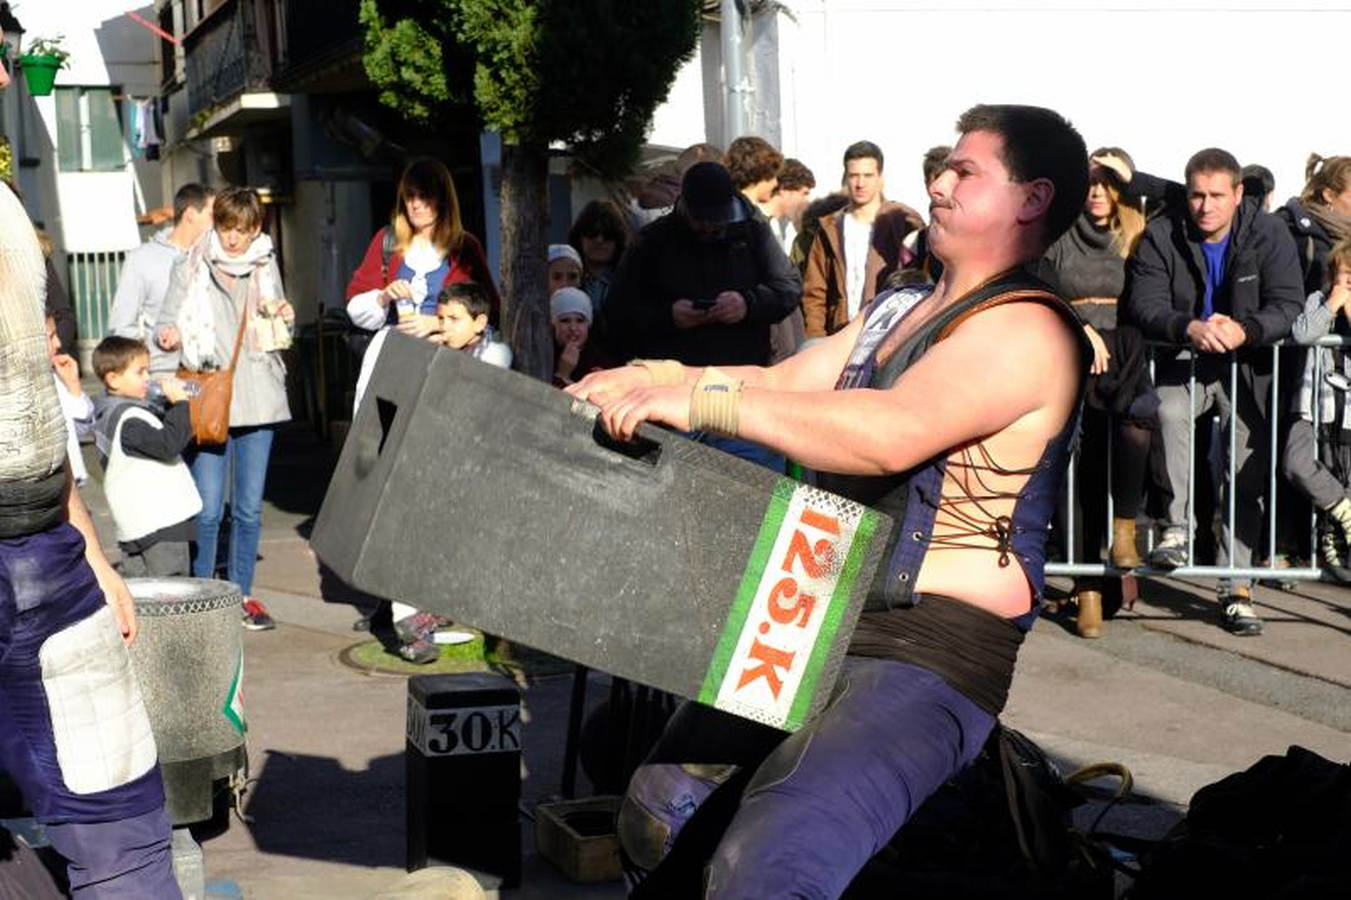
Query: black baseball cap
<point>707,194</point>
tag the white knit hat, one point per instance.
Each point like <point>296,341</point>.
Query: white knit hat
<point>565,251</point>
<point>569,300</point>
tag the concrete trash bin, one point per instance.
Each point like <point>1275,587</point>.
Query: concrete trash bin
<point>189,659</point>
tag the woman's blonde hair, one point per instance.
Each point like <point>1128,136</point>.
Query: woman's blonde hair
<point>1126,222</point>
<point>1325,173</point>
<point>430,179</point>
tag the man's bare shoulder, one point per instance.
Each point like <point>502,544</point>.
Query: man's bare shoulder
<point>1044,333</point>
<point>1022,349</point>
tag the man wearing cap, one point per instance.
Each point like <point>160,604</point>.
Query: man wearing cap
<point>703,284</point>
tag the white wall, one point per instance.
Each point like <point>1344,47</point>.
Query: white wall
<point>1161,83</point>
<point>92,211</point>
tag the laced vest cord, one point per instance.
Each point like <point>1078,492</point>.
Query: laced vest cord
<point>976,530</point>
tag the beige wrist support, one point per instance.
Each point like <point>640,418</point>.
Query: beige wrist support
<point>715,403</point>
<point>665,372</point>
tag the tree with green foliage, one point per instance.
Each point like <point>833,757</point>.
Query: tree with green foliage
<point>587,73</point>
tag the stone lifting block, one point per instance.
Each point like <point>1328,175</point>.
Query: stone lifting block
<point>496,500</point>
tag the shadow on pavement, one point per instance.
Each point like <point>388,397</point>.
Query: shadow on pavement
<point>314,808</point>
<point>298,472</point>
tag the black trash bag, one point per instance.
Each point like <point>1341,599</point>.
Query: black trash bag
<point>1279,831</point>
<point>1000,830</point>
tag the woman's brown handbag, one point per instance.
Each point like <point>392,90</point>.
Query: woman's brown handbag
<point>209,408</point>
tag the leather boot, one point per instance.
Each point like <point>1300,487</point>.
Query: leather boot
<point>1089,622</point>
<point>1124,554</point>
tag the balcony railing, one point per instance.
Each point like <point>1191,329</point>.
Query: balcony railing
<point>231,51</point>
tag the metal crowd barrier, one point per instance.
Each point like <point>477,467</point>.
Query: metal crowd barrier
<point>1276,418</point>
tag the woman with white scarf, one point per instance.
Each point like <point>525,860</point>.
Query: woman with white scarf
<point>230,273</point>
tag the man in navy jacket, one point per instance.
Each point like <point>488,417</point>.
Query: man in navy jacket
<point>1221,278</point>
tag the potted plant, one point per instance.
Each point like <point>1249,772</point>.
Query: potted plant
<point>40,63</point>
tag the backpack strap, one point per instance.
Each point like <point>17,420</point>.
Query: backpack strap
<point>386,250</point>
<point>1009,287</point>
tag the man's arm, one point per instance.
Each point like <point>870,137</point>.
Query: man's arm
<point>1148,298</point>
<point>1281,285</point>
<point>124,315</point>
<point>814,282</point>
<point>814,368</point>
<point>974,384</point>
<point>1162,195</point>
<point>114,589</point>
<point>166,323</point>
<point>780,289</point>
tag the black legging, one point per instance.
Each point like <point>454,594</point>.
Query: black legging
<point>1130,458</point>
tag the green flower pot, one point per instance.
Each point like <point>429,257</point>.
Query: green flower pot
<point>40,73</point>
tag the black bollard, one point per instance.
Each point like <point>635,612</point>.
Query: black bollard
<point>462,760</point>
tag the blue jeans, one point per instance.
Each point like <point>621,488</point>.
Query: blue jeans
<point>243,457</point>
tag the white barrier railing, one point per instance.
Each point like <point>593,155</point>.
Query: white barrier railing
<point>1276,417</point>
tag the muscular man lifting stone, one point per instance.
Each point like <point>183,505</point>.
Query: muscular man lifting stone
<point>952,408</point>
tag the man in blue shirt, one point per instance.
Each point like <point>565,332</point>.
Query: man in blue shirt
<point>1221,279</point>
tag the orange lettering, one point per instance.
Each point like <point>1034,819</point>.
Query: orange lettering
<point>770,661</point>
<point>820,521</point>
<point>784,615</point>
<point>799,549</point>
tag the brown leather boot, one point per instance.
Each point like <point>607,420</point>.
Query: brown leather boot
<point>1089,622</point>
<point>1124,554</point>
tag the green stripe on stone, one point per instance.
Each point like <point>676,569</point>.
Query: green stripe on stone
<point>229,708</point>
<point>830,625</point>
<point>779,500</point>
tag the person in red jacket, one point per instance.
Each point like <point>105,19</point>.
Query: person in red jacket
<point>408,262</point>
<point>424,248</point>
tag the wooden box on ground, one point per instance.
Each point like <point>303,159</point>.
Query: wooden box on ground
<point>579,837</point>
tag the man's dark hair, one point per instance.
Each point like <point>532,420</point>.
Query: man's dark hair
<point>1038,143</point>
<point>1257,181</point>
<point>1213,159</point>
<point>862,150</point>
<point>794,176</point>
<point>469,294</point>
<point>751,160</point>
<point>114,354</point>
<point>191,194</point>
<point>935,160</point>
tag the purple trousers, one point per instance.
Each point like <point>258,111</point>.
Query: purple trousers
<point>117,839</point>
<point>804,812</point>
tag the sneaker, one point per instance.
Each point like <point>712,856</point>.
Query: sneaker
<point>418,651</point>
<point>419,625</point>
<point>1171,551</point>
<point>256,617</point>
<point>1239,616</point>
